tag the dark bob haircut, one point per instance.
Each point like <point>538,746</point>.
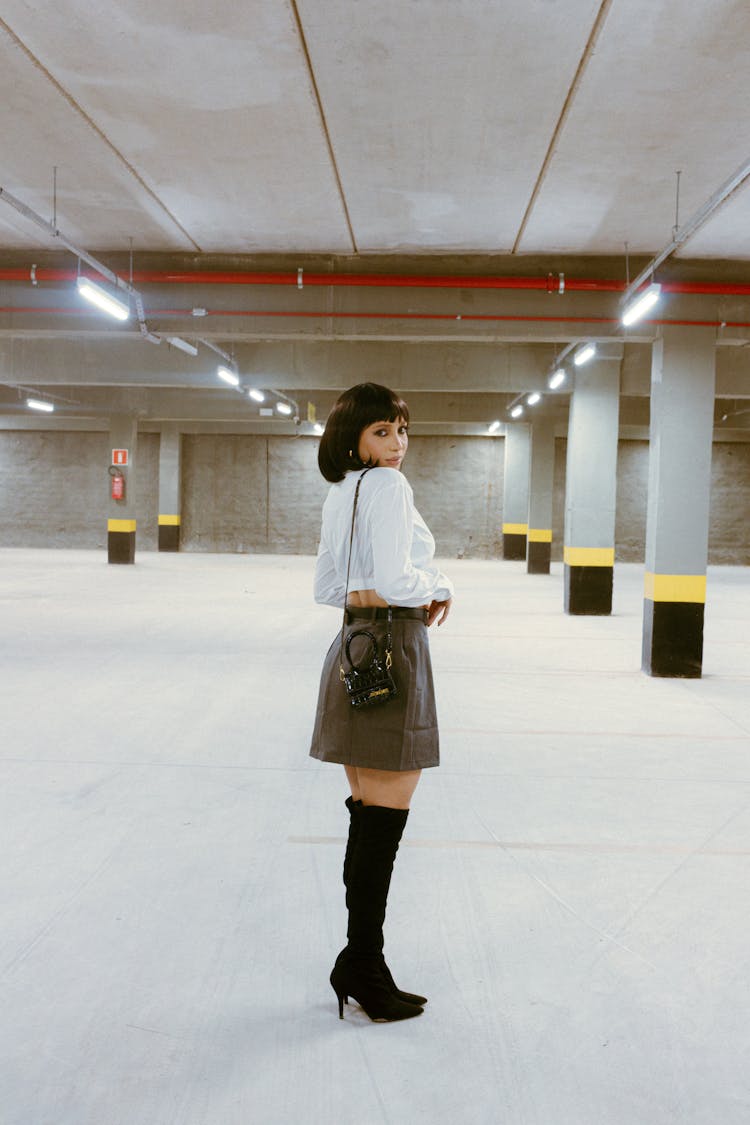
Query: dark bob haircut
<point>354,411</point>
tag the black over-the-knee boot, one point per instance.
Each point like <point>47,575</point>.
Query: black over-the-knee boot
<point>355,809</point>
<point>359,971</point>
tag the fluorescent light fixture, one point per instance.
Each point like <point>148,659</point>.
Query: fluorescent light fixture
<point>38,404</point>
<point>183,345</point>
<point>283,408</point>
<point>256,395</point>
<point>102,299</point>
<point>318,429</point>
<point>584,354</point>
<point>228,376</point>
<point>517,411</point>
<point>533,398</point>
<point>556,379</point>
<point>641,304</point>
<point>493,427</point>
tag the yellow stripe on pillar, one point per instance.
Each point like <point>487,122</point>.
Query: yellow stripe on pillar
<point>120,525</point>
<point>540,535</point>
<point>515,528</point>
<point>675,587</point>
<point>589,556</point>
<point>169,521</point>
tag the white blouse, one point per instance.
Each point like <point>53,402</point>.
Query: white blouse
<point>393,549</point>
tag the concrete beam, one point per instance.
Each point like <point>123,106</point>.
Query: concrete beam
<point>237,313</point>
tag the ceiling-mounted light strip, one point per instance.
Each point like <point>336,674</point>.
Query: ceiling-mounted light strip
<point>256,395</point>
<point>493,427</point>
<point>533,398</point>
<point>39,404</point>
<point>688,229</point>
<point>557,378</point>
<point>228,376</point>
<point>516,411</point>
<point>102,298</point>
<point>284,408</point>
<point>640,304</point>
<point>583,354</point>
<point>182,345</point>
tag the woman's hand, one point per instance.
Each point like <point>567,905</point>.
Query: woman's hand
<point>439,611</point>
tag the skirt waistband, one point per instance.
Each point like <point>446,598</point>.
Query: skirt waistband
<point>380,613</point>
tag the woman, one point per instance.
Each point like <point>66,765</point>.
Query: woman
<point>383,748</point>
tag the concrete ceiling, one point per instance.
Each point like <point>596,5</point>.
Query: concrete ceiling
<point>471,137</point>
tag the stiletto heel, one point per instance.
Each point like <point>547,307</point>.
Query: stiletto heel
<point>340,996</point>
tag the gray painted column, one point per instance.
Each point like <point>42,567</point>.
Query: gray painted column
<point>170,481</point>
<point>591,487</point>
<point>541,479</point>
<point>683,376</point>
<point>121,524</point>
<point>516,490</point>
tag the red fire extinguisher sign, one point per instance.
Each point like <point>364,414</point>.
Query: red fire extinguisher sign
<point>119,456</point>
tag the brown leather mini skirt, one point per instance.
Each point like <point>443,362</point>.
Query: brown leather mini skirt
<point>401,734</point>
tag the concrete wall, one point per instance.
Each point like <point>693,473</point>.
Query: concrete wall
<point>245,492</point>
<point>257,494</point>
<point>249,493</point>
<point>54,489</point>
<point>729,522</point>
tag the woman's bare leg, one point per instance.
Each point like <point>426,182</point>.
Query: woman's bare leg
<point>392,789</point>
<point>351,775</point>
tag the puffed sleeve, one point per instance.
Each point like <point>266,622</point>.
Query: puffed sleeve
<point>396,579</point>
<point>328,588</point>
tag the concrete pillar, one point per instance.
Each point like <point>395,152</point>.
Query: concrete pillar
<point>541,477</point>
<point>170,507</point>
<point>123,439</point>
<point>683,375</point>
<point>591,488</point>
<point>516,490</point>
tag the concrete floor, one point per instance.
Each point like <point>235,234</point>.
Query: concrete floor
<point>573,894</point>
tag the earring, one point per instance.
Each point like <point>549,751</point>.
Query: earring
<point>350,454</point>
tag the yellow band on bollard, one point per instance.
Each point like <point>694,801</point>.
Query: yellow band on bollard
<point>675,587</point>
<point>589,556</point>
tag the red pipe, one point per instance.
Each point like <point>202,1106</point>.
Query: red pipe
<point>550,283</point>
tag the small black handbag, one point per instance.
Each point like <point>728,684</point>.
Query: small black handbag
<point>371,683</point>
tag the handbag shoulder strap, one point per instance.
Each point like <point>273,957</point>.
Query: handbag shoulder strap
<point>348,569</point>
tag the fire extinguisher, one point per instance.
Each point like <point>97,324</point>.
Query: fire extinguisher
<point>118,483</point>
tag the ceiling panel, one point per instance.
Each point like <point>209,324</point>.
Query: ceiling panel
<point>210,106</point>
<point>99,202</point>
<point>665,90</point>
<point>440,112</point>
<point>726,234</point>
<point>187,127</point>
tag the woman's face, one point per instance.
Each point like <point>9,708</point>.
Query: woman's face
<point>384,444</point>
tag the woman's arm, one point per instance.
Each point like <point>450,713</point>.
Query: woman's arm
<point>391,525</point>
<point>328,588</point>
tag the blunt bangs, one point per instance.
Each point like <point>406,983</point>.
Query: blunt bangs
<point>354,411</point>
